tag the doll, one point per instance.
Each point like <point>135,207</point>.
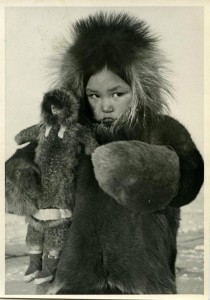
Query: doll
<point>59,139</point>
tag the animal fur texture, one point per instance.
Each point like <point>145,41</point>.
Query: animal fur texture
<point>147,166</point>
<point>119,241</point>
<point>126,46</point>
<point>133,240</point>
<point>116,249</point>
<point>22,183</point>
<point>57,158</point>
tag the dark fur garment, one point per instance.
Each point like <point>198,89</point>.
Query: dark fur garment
<point>147,170</point>
<point>127,250</point>
<point>22,183</point>
<point>57,159</point>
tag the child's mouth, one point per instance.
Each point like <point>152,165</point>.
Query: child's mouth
<point>108,120</point>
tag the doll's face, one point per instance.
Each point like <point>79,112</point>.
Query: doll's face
<point>55,110</point>
<point>108,95</point>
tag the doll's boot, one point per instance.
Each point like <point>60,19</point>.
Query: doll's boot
<point>34,267</point>
<point>49,267</point>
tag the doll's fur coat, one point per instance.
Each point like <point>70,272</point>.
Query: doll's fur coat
<point>56,159</point>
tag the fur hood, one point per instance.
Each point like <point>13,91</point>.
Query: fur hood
<point>125,45</point>
<point>64,100</point>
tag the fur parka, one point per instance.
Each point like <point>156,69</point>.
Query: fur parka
<point>56,157</point>
<point>59,139</point>
<point>128,193</point>
<point>127,213</point>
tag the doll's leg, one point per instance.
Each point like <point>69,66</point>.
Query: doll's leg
<point>54,238</point>
<point>34,241</point>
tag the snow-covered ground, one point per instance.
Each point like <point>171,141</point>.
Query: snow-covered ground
<point>190,266</point>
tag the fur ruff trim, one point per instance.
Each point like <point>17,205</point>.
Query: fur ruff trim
<point>64,100</point>
<point>125,45</point>
<point>41,225</point>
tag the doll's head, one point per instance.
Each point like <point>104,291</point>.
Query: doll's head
<point>60,106</point>
<point>56,111</point>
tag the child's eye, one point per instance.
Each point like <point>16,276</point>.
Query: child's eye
<point>116,95</point>
<point>93,96</point>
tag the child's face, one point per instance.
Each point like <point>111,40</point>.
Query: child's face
<point>108,95</point>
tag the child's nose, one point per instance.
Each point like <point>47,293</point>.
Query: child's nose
<point>107,105</point>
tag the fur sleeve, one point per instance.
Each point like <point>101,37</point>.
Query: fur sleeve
<point>148,177</point>
<point>171,132</point>
<point>30,134</point>
<point>86,138</point>
<point>22,182</point>
<point>138,175</point>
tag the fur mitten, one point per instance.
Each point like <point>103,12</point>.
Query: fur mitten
<point>140,176</point>
<point>22,187</point>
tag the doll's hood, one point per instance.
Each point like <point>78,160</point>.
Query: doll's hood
<point>64,100</point>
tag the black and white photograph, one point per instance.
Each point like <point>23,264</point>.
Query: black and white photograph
<point>104,151</point>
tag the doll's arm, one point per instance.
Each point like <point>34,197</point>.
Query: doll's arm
<point>22,181</point>
<point>148,177</point>
<point>86,138</point>
<point>30,134</point>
